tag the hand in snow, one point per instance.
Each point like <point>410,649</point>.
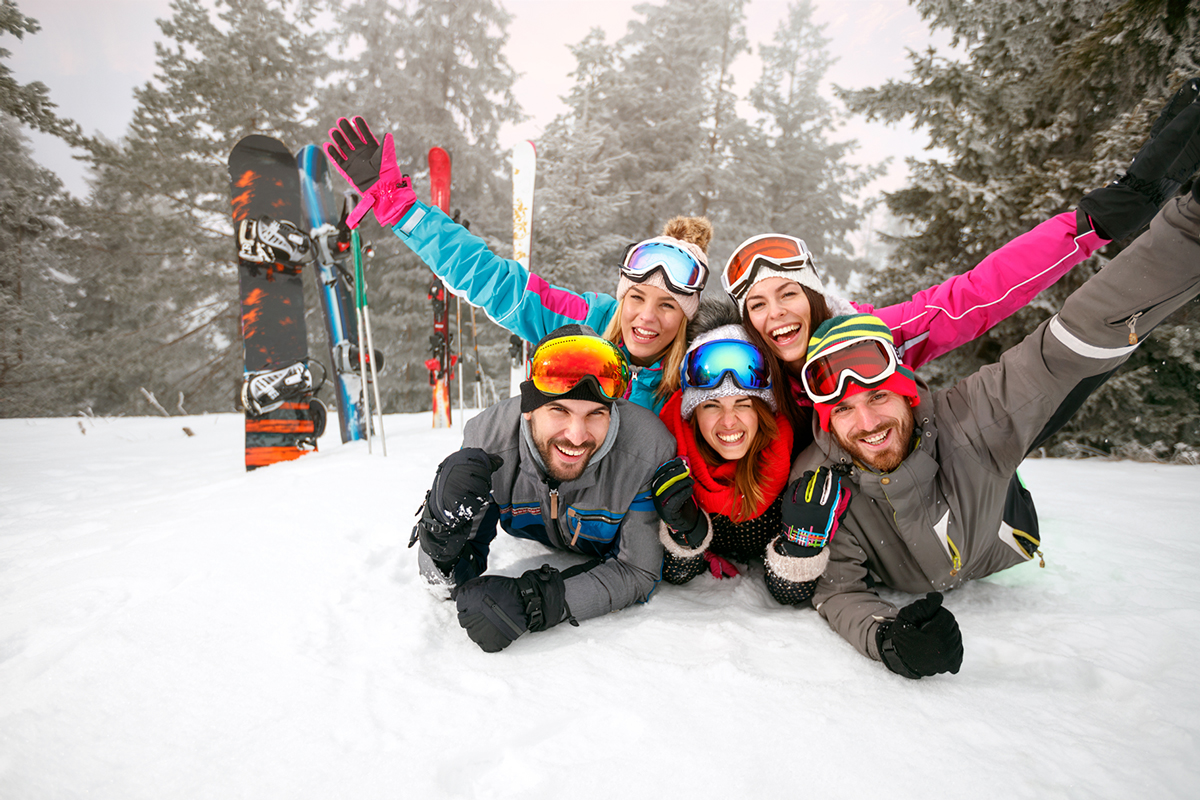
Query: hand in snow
<point>461,488</point>
<point>923,640</point>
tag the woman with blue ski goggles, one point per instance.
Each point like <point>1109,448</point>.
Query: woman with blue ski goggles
<point>724,498</point>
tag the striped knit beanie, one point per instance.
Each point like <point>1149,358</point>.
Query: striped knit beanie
<point>840,330</point>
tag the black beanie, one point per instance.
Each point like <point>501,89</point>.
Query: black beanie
<point>532,399</point>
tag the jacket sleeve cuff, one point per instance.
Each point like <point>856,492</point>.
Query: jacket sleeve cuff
<point>413,217</point>
<point>675,548</point>
<point>794,569</point>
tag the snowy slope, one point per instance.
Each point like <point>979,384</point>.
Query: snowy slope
<point>169,631</point>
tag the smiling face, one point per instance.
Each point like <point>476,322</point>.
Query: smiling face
<point>567,433</point>
<point>779,310</point>
<point>728,425</point>
<point>650,320</point>
<point>875,427</point>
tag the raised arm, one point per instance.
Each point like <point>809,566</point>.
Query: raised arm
<point>512,296</point>
<point>946,316</point>
<point>943,317</point>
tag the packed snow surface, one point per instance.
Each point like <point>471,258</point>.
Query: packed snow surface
<point>174,627</point>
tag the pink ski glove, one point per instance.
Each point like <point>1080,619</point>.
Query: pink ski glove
<point>357,154</point>
<point>719,567</point>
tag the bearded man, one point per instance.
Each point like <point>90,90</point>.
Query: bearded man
<point>928,471</point>
<point>568,464</point>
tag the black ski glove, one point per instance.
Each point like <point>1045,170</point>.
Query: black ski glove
<point>461,488</point>
<point>923,640</point>
<point>494,610</point>
<point>813,506</point>
<point>672,486</point>
<point>1171,156</point>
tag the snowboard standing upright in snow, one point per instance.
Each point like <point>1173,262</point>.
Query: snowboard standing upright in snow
<point>335,289</point>
<point>283,420</point>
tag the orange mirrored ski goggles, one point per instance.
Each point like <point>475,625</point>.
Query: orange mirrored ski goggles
<point>774,250</point>
<point>559,365</point>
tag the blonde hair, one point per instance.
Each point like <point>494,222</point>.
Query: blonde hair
<point>694,230</point>
<point>671,359</point>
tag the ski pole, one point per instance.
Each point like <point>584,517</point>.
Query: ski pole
<point>355,247</point>
<point>360,286</point>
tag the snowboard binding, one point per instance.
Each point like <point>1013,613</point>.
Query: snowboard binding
<point>345,357</point>
<point>270,241</point>
<point>264,392</point>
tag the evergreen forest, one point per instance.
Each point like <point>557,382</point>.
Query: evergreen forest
<point>128,295</point>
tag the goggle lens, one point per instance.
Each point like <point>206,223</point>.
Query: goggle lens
<point>682,269</point>
<point>784,252</point>
<point>707,365</point>
<point>559,365</point>
<point>868,361</point>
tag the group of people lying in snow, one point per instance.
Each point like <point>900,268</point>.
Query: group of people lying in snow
<point>659,437</point>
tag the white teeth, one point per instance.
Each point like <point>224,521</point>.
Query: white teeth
<point>645,333</point>
<point>786,330</point>
<point>571,453</point>
<point>731,437</point>
<point>875,439</point>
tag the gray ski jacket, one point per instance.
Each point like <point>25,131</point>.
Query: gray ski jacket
<point>607,513</point>
<point>936,520</point>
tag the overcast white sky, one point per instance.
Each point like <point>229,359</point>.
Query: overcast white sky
<point>92,53</point>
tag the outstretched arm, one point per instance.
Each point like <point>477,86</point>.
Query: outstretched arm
<point>946,316</point>
<point>943,317</point>
<point>514,297</point>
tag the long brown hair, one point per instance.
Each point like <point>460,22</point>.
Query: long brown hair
<point>746,478</point>
<point>799,416</point>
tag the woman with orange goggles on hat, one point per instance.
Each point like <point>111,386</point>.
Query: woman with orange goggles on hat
<point>774,282</point>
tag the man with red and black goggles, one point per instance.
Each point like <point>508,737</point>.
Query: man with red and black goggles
<point>851,354</point>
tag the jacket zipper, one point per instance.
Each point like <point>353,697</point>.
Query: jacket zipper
<point>1132,323</point>
<point>553,484</point>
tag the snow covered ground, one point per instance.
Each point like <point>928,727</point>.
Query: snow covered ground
<point>173,627</point>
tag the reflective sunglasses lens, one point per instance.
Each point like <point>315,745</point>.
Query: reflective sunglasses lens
<point>867,360</point>
<point>707,365</point>
<point>559,365</point>
<point>680,266</point>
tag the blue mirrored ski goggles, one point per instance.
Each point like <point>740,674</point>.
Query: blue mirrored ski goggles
<point>706,366</point>
<point>682,271</point>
